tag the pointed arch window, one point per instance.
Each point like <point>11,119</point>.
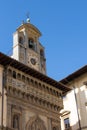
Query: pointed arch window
<point>41,53</point>
<point>16,122</point>
<point>21,40</point>
<point>14,74</point>
<point>31,44</point>
<point>9,72</point>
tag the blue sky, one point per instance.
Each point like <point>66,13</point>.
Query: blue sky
<point>63,24</point>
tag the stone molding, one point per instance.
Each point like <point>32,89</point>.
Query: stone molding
<point>32,91</point>
<point>33,108</point>
<point>32,99</point>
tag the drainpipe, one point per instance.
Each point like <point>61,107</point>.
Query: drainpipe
<point>77,109</point>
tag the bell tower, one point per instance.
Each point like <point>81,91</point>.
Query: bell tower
<point>27,47</point>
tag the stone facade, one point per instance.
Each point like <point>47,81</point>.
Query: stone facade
<point>30,103</point>
<point>29,99</point>
<point>27,47</point>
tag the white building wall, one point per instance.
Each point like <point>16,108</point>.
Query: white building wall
<point>78,111</point>
<point>15,46</point>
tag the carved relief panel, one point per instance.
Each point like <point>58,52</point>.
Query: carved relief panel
<point>56,124</point>
<point>35,123</point>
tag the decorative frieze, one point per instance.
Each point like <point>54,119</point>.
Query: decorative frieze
<point>28,89</point>
<point>37,101</point>
<point>20,76</point>
<point>33,91</point>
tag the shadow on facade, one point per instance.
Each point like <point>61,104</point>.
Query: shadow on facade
<point>81,107</point>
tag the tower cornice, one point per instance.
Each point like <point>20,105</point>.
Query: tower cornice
<point>28,26</point>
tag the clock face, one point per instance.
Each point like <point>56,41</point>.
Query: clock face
<point>33,61</point>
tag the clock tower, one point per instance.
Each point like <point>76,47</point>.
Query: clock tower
<point>27,47</point>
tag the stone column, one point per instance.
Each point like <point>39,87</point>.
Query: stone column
<point>49,124</point>
<point>9,120</point>
<point>25,44</point>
